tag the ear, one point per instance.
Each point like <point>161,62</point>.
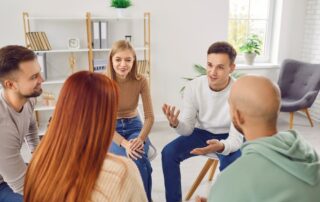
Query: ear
<point>232,67</point>
<point>8,84</point>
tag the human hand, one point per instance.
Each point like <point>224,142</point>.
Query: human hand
<point>171,114</point>
<point>200,199</point>
<point>213,146</point>
<point>131,153</point>
<point>136,144</point>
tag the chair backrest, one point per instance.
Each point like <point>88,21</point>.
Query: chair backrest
<point>297,78</point>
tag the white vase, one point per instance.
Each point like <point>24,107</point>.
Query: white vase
<point>249,58</point>
<point>121,12</point>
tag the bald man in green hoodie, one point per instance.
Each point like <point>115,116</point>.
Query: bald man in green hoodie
<point>274,166</point>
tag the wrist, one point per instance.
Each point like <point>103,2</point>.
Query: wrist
<point>221,147</point>
<point>174,125</point>
<point>123,143</point>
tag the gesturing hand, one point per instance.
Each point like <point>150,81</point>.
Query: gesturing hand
<point>213,146</point>
<point>171,114</point>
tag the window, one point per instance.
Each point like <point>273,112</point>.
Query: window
<point>248,17</point>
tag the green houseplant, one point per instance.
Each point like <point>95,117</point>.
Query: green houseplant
<point>251,48</point>
<point>120,6</point>
<point>200,70</point>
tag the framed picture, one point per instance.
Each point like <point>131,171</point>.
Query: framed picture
<point>43,64</point>
<point>73,43</point>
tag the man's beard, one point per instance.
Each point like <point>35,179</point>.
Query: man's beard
<point>34,94</point>
<point>237,127</point>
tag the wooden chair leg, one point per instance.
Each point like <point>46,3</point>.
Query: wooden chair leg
<point>213,169</point>
<point>291,120</point>
<point>308,115</point>
<point>199,178</point>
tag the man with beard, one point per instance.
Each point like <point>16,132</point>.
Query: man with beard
<point>274,166</point>
<point>21,81</point>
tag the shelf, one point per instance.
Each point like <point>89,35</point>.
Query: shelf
<point>44,108</point>
<point>64,51</point>
<point>55,18</point>
<point>116,18</point>
<point>52,82</point>
<point>42,129</point>
<point>108,49</point>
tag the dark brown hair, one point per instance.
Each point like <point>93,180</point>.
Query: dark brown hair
<point>67,163</point>
<point>223,47</point>
<point>11,56</point>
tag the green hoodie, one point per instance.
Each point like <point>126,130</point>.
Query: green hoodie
<point>282,167</point>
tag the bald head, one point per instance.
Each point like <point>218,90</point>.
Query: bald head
<point>257,98</point>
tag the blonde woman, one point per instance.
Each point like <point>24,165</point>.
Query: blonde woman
<point>131,138</point>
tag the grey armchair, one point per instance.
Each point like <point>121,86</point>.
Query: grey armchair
<point>299,84</point>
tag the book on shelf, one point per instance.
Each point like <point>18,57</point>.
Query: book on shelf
<point>96,34</point>
<point>100,34</point>
<point>38,41</point>
<point>99,65</point>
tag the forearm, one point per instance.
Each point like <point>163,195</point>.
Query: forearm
<point>148,123</point>
<point>232,143</point>
<point>117,138</point>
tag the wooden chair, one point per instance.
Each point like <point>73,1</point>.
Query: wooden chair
<point>212,163</point>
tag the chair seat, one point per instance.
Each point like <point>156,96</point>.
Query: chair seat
<point>212,156</point>
<point>291,105</point>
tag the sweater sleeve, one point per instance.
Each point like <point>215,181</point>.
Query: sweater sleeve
<point>233,142</point>
<point>32,138</point>
<point>189,112</point>
<point>133,185</point>
<point>147,109</point>
<point>12,166</point>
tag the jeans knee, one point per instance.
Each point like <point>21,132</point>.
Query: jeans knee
<point>167,153</point>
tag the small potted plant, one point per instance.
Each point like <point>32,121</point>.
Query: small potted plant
<point>121,6</point>
<point>251,48</point>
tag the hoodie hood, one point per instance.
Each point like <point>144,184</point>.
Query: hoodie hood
<point>290,152</point>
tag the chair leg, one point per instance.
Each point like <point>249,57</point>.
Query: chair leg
<point>199,178</point>
<point>308,115</point>
<point>213,169</point>
<point>291,120</point>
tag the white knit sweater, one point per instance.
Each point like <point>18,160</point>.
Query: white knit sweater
<point>208,110</point>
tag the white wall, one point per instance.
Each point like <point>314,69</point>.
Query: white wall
<point>311,44</point>
<point>181,32</point>
<point>289,24</point>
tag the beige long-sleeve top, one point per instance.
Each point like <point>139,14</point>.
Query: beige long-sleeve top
<point>130,90</point>
<point>16,128</point>
<point>119,180</point>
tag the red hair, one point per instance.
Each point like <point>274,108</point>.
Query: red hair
<point>68,160</point>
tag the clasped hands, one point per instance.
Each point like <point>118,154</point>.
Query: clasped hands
<point>133,147</point>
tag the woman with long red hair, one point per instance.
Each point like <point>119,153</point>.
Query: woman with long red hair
<point>71,163</point>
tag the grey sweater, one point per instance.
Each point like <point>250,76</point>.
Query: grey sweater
<point>15,128</point>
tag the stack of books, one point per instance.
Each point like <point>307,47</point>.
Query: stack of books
<point>38,41</point>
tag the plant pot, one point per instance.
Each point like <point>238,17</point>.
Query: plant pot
<point>121,12</point>
<point>249,58</point>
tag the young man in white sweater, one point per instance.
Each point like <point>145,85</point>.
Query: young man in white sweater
<point>21,81</point>
<point>205,117</point>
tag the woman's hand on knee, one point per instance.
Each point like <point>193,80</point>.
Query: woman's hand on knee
<point>133,154</point>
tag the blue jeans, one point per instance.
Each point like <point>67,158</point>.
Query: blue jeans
<point>130,128</point>
<point>179,150</point>
<point>7,195</point>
